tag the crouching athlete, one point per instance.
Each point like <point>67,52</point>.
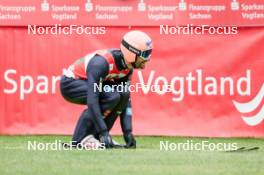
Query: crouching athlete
<point>81,81</point>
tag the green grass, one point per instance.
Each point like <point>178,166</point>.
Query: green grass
<point>147,159</point>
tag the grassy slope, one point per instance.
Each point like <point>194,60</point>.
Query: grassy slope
<point>147,159</point>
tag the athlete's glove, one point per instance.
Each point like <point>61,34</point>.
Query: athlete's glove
<point>130,140</point>
<point>106,140</point>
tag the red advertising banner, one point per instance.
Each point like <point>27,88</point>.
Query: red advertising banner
<point>195,85</point>
<point>132,12</point>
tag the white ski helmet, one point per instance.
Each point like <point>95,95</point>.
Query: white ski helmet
<point>136,44</point>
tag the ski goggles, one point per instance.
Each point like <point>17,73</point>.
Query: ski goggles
<point>143,54</point>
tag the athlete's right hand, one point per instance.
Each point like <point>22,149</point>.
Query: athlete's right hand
<point>106,139</point>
